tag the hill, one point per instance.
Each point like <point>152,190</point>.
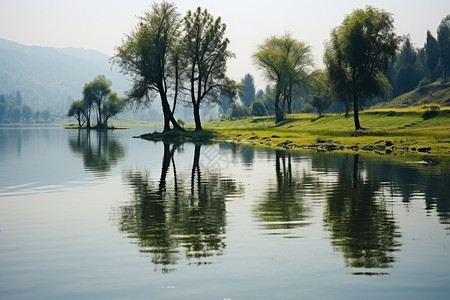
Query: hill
<point>51,77</point>
<point>437,93</point>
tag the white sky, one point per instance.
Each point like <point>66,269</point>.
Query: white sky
<point>101,24</point>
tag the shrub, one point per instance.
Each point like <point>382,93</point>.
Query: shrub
<point>238,111</point>
<point>258,109</point>
<point>308,108</point>
<point>429,114</point>
<point>391,113</point>
<point>425,81</point>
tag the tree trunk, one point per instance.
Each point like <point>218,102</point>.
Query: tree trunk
<point>355,102</point>
<point>279,112</point>
<point>289,99</point>
<point>88,120</point>
<point>198,122</point>
<point>168,114</point>
<point>355,111</point>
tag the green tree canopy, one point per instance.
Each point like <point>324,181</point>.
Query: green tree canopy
<point>321,95</point>
<point>77,110</point>
<point>359,52</point>
<point>113,106</point>
<point>205,54</point>
<point>285,62</point>
<point>148,54</point>
<point>249,90</point>
<point>443,38</point>
<point>406,72</point>
<point>432,55</point>
<point>96,92</point>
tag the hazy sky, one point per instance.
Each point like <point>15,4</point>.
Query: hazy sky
<point>101,24</point>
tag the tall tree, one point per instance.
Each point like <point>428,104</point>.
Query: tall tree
<point>359,52</point>
<point>443,38</point>
<point>27,112</point>
<point>406,75</point>
<point>146,54</point>
<point>321,96</point>
<point>432,55</point>
<point>205,54</point>
<point>229,92</point>
<point>112,107</point>
<point>96,92</point>
<point>249,90</point>
<point>78,111</point>
<point>285,63</point>
<point>18,98</point>
<point>45,114</point>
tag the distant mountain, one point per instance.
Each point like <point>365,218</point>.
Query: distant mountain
<point>436,93</point>
<point>51,77</point>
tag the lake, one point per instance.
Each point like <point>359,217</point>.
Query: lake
<point>100,215</point>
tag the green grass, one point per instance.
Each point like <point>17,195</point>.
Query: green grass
<point>406,129</point>
<point>181,136</point>
<point>437,93</point>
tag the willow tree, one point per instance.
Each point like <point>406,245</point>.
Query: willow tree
<point>96,93</point>
<point>147,54</point>
<point>77,110</point>
<point>285,62</point>
<point>204,55</point>
<point>359,52</point>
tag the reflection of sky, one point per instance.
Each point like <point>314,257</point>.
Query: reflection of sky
<point>31,158</point>
<point>34,160</point>
<point>60,232</point>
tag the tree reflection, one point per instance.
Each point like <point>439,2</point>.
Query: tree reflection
<point>283,207</point>
<point>362,227</point>
<point>180,215</point>
<point>99,152</point>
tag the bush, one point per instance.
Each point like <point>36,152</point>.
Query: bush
<point>181,123</point>
<point>391,113</point>
<point>258,109</point>
<point>238,111</point>
<point>308,108</point>
<point>423,82</point>
<point>429,114</point>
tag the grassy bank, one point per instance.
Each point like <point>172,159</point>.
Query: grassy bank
<point>396,132</point>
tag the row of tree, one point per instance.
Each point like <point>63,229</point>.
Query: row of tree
<point>12,110</point>
<point>363,62</point>
<point>98,97</point>
<point>183,59</point>
<point>415,67</point>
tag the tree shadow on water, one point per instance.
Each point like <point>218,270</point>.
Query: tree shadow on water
<point>180,216</point>
<point>99,151</point>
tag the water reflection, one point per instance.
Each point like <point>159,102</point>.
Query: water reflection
<point>283,206</point>
<point>362,226</point>
<point>181,215</point>
<point>98,150</point>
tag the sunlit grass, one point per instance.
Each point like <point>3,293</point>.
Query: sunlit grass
<point>405,128</point>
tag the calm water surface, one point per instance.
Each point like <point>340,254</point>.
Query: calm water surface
<point>96,215</point>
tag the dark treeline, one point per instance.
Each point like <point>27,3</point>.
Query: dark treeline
<point>12,110</point>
